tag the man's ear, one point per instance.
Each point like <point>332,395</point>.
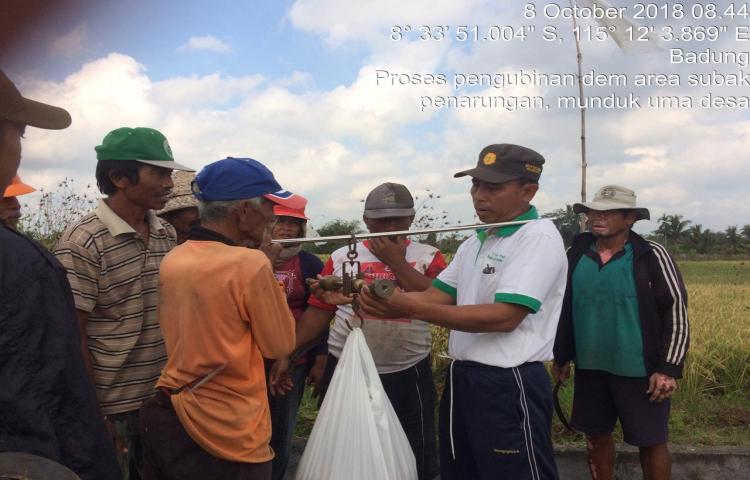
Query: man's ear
<point>631,218</point>
<point>120,181</point>
<point>529,191</point>
<point>244,207</point>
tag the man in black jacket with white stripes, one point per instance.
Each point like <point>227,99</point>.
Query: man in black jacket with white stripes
<point>624,324</point>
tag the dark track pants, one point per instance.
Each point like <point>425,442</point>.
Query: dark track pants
<point>496,423</point>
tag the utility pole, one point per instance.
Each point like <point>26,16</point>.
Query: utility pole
<point>584,164</point>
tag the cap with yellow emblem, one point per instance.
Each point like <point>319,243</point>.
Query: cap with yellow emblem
<point>503,162</point>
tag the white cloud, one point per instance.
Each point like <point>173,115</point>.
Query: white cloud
<point>339,21</point>
<point>72,43</point>
<point>207,43</point>
<point>333,145</point>
<point>210,90</point>
<point>297,79</point>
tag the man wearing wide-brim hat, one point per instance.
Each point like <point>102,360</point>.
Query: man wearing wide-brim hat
<point>624,324</point>
<point>181,209</point>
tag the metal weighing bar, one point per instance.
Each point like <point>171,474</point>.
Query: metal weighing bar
<point>362,236</point>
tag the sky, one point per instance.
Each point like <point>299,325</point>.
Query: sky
<point>327,95</point>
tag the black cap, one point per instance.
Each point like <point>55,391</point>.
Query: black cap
<point>503,162</point>
<point>389,200</point>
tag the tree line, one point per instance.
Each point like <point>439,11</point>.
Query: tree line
<point>64,205</point>
<point>682,237</point>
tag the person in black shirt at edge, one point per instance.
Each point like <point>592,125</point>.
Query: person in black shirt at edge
<point>48,406</point>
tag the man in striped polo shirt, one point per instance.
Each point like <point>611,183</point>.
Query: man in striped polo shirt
<point>624,324</point>
<point>112,256</point>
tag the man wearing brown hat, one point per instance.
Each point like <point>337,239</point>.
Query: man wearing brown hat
<point>181,210</point>
<point>47,404</point>
<point>501,297</point>
<point>113,256</point>
<point>401,346</point>
<point>624,324</point>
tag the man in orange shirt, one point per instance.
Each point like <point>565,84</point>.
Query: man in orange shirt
<point>221,312</point>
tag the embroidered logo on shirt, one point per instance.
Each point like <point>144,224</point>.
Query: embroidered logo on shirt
<point>496,257</point>
<point>488,270</point>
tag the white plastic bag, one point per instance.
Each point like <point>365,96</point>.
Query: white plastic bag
<point>357,434</point>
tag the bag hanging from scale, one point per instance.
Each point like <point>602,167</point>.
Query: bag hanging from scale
<point>357,433</point>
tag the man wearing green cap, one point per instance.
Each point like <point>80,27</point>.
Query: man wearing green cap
<point>112,256</point>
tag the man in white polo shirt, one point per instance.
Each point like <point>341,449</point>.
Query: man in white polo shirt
<point>501,297</point>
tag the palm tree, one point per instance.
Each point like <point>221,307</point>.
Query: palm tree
<point>733,239</point>
<point>672,228</point>
<point>746,232</point>
<point>566,221</point>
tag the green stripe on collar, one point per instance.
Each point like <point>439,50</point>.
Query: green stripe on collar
<point>531,214</point>
<point>444,287</point>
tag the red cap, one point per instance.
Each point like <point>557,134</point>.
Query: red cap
<point>17,187</point>
<point>287,199</point>
<point>297,210</point>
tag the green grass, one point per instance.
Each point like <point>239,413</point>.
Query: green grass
<point>712,404</point>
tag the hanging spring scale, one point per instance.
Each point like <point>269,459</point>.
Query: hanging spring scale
<point>352,279</point>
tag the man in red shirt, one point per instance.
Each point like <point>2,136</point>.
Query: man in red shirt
<point>400,347</point>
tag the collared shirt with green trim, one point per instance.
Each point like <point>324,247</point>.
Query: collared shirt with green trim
<point>524,265</point>
<point>114,276</point>
<point>606,318</point>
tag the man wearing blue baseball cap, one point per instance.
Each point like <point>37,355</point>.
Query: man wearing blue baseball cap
<point>221,311</point>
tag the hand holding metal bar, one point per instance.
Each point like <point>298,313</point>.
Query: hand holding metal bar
<point>381,288</point>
